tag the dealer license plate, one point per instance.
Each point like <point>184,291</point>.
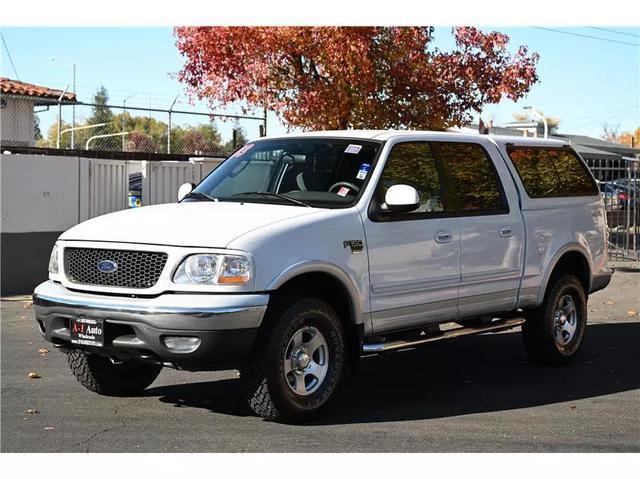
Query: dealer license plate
<point>87,332</point>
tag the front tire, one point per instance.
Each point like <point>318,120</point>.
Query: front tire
<point>553,332</point>
<point>292,375</point>
<point>100,375</point>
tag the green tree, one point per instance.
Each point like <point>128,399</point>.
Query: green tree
<point>196,140</point>
<point>52,137</point>
<point>37,133</point>
<point>100,112</point>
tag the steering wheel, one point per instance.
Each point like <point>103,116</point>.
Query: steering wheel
<point>351,186</point>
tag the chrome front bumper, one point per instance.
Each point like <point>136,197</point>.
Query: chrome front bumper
<point>225,323</point>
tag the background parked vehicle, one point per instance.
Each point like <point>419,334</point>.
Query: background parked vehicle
<point>610,194</point>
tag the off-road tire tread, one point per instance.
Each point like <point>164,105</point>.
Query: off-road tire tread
<point>99,375</point>
<point>535,334</point>
<point>253,374</point>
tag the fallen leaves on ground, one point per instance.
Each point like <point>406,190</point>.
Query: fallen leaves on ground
<point>32,411</point>
<point>632,312</point>
<point>27,304</point>
<point>43,351</point>
<point>34,375</point>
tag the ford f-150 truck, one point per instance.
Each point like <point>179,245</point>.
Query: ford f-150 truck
<point>300,254</point>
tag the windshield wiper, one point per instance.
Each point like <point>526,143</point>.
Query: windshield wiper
<point>201,195</point>
<point>274,195</point>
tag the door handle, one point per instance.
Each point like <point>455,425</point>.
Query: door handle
<point>505,231</point>
<point>443,236</point>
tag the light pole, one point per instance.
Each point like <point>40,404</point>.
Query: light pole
<point>86,127</point>
<point>60,117</point>
<point>73,106</point>
<point>124,110</point>
<point>73,110</point>
<point>537,114</point>
<point>169,126</point>
<point>108,135</point>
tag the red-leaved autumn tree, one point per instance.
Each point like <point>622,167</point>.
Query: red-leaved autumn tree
<point>354,77</point>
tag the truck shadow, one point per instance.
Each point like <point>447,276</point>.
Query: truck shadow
<point>471,375</point>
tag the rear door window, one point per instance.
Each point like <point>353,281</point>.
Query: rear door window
<point>452,179</point>
<point>552,172</point>
<point>473,182</point>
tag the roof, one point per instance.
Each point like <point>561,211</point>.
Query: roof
<point>383,135</point>
<point>18,88</point>
<point>600,144</point>
<point>587,146</point>
<point>595,153</point>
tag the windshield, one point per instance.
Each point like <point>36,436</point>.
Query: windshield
<point>320,172</point>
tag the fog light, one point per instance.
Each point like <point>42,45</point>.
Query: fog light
<point>181,344</point>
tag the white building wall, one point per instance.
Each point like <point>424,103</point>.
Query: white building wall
<point>17,121</point>
<point>39,193</point>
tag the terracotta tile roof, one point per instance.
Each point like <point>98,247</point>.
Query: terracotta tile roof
<point>15,87</point>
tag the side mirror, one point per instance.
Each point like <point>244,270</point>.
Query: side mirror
<point>184,190</point>
<point>401,199</point>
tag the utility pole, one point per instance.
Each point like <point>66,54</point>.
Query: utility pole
<point>73,111</point>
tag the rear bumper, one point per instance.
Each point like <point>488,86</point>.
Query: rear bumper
<point>601,280</point>
<point>225,324</point>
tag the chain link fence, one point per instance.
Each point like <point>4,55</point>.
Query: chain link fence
<point>104,127</point>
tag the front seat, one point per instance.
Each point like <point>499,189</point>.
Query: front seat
<point>316,174</point>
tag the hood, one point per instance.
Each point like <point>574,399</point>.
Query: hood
<point>193,223</point>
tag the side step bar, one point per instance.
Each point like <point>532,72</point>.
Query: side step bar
<point>447,334</point>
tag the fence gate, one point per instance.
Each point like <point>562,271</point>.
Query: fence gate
<point>106,188</point>
<point>161,179</point>
<point>619,185</point>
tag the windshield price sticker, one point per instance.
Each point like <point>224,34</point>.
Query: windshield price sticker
<point>343,191</point>
<point>242,150</point>
<point>363,171</point>
<point>353,149</point>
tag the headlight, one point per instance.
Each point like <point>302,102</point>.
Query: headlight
<point>53,260</point>
<point>213,269</point>
<point>197,269</point>
<point>235,270</point>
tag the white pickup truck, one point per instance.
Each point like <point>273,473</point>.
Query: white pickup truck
<point>300,254</point>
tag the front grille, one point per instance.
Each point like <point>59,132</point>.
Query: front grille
<point>135,269</point>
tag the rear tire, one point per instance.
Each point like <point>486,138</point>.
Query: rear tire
<point>554,332</point>
<point>100,375</point>
<point>297,367</point>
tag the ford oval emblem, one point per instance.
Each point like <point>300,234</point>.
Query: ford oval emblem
<point>107,266</point>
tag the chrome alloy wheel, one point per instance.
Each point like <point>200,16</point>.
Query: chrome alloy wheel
<point>306,361</point>
<point>565,321</point>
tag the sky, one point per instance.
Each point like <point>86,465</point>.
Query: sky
<point>585,82</point>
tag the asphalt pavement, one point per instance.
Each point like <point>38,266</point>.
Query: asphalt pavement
<point>468,395</point>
